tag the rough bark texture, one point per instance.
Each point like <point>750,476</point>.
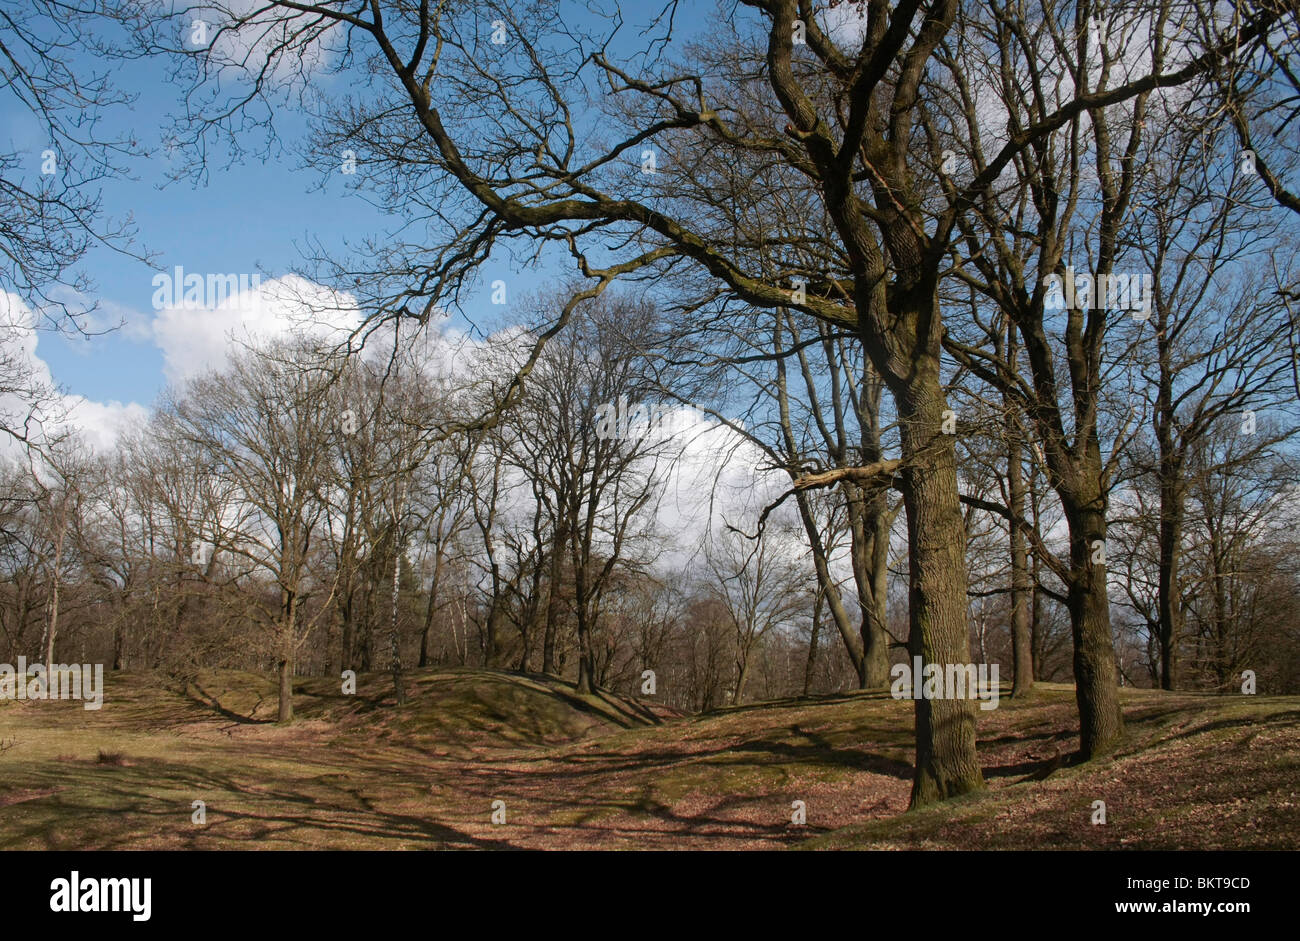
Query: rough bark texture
<point>946,759</point>
<point>1101,723</point>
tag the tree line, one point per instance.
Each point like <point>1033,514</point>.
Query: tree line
<point>1011,283</point>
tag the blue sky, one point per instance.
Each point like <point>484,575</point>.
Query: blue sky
<point>253,217</point>
<point>250,217</point>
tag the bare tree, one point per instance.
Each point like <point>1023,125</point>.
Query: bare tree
<point>586,437</point>
<point>50,209</point>
<point>266,426</point>
<point>484,142</point>
<point>756,583</point>
<point>1222,340</point>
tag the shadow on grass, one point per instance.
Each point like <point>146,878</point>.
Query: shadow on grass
<point>240,814</point>
<point>205,698</point>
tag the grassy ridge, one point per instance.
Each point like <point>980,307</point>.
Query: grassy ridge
<point>607,772</point>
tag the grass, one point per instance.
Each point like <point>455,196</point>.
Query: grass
<point>605,772</point>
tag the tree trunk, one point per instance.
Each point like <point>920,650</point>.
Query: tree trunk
<point>553,600</point>
<point>493,631</point>
<point>946,759</point>
<point>429,609</point>
<point>586,679</point>
<point>285,669</point>
<point>811,663</point>
<point>54,597</point>
<point>1038,617</point>
<point>1022,646</point>
<point>363,629</point>
<point>1170,612</point>
<point>289,612</point>
<point>870,551</point>
<point>742,677</point>
<point>1101,722</point>
<point>853,640</point>
<point>1219,596</point>
<point>395,640</point>
<point>53,626</point>
<point>348,641</point>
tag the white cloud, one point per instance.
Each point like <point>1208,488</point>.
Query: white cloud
<point>246,51</point>
<point>714,477</point>
<point>196,339</point>
<point>30,399</point>
<point>102,423</point>
<point>845,24</point>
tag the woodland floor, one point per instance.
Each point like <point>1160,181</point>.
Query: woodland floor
<point>358,772</point>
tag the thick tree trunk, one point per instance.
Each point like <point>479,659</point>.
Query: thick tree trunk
<point>288,628</point>
<point>586,678</point>
<point>285,670</point>
<point>1101,722</point>
<point>874,672</point>
<point>946,759</point>
<point>742,678</point>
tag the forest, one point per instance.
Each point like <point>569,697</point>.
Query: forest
<point>708,357</point>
